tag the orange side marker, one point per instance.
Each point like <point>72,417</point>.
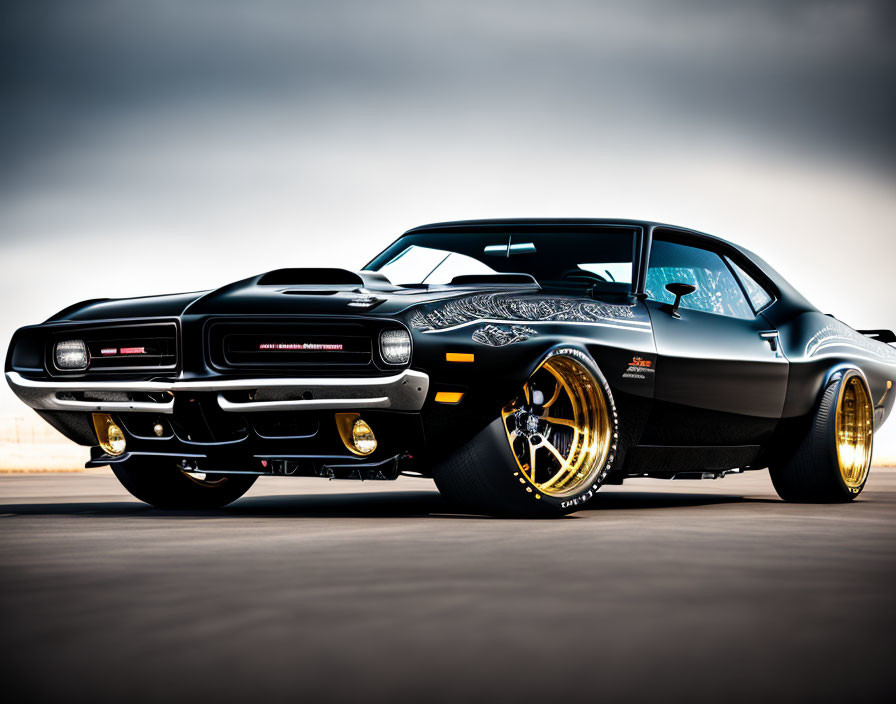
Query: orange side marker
<point>459,357</point>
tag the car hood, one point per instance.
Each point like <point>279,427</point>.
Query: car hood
<point>285,292</point>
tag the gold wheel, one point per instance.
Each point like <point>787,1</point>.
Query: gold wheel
<point>560,429</point>
<point>854,431</point>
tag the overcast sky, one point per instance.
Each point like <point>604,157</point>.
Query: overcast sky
<point>171,145</point>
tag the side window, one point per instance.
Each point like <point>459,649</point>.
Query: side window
<point>758,296</point>
<point>717,290</point>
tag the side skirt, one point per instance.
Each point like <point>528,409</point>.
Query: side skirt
<point>670,460</point>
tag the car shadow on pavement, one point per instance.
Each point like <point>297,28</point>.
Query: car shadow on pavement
<point>620,500</point>
<point>399,504</point>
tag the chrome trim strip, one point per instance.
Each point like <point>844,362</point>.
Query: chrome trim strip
<point>404,392</point>
<point>43,395</point>
<point>302,404</point>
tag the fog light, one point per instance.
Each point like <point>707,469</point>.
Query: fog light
<point>356,434</point>
<point>71,354</point>
<point>395,346</point>
<point>109,435</point>
<point>363,438</point>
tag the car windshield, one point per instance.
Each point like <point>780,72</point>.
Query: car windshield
<point>583,257</point>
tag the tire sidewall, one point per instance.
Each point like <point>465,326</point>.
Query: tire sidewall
<point>565,504</point>
<point>163,485</point>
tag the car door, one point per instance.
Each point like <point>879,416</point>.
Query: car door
<point>721,377</point>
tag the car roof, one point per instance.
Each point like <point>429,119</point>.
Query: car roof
<point>486,222</point>
<point>565,222</point>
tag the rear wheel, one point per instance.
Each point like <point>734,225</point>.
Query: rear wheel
<point>549,450</point>
<point>163,484</point>
<point>832,462</point>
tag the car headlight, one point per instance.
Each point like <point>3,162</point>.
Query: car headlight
<point>395,346</point>
<point>71,354</point>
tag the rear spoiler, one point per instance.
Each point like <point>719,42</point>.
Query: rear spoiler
<point>881,335</point>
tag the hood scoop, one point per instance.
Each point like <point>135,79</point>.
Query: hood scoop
<point>309,292</point>
<point>322,279</point>
<point>310,277</point>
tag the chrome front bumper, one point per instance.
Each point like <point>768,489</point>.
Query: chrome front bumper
<point>402,392</point>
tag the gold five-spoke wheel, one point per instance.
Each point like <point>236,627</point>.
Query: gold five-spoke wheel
<point>560,429</point>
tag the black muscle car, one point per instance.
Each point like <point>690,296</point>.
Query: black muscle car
<point>520,363</point>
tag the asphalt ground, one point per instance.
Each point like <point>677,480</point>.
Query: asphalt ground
<point>308,590</point>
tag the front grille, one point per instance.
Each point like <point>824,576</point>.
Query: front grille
<point>122,348</point>
<point>277,349</point>
<point>311,347</point>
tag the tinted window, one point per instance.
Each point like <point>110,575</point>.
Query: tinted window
<point>758,296</point>
<point>717,290</point>
<point>568,257</point>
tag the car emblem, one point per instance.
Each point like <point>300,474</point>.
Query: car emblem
<point>302,346</point>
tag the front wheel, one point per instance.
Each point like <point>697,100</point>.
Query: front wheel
<point>831,463</point>
<point>547,453</point>
<point>162,484</point>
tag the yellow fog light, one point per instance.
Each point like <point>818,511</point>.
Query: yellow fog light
<point>110,436</point>
<point>356,434</point>
<point>363,438</point>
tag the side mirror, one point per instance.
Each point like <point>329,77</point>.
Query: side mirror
<point>679,291</point>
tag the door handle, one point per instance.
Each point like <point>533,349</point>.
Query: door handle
<point>771,337</point>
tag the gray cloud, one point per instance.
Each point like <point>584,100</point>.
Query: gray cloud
<point>815,75</point>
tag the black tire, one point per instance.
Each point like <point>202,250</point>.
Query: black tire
<point>484,476</point>
<point>162,484</point>
<point>812,474</point>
